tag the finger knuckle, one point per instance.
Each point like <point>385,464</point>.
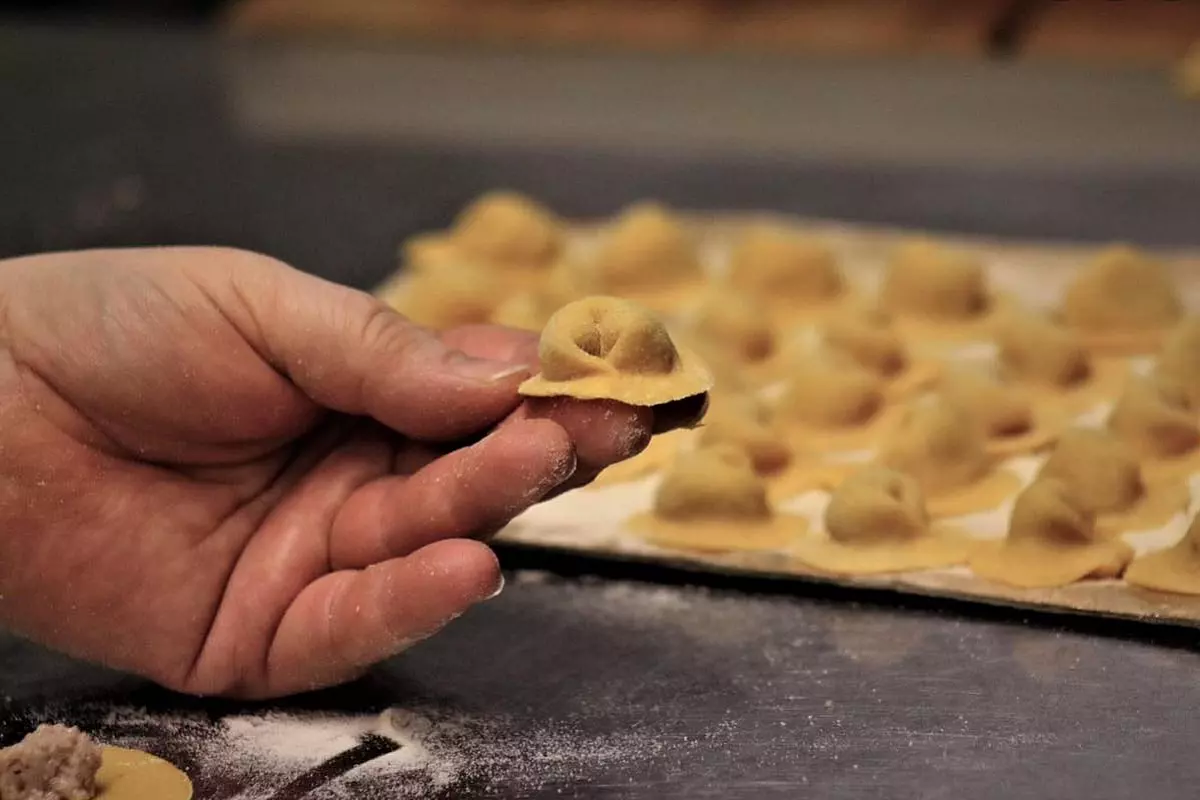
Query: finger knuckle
<point>382,330</point>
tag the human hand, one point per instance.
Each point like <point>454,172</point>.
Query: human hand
<point>234,478</point>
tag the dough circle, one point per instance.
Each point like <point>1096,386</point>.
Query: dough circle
<point>712,500</point>
<point>133,775</point>
<point>1164,573</point>
<point>940,547</point>
<point>1039,565</point>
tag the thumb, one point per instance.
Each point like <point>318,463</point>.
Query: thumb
<point>350,352</point>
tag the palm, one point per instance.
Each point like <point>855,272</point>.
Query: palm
<point>213,525</point>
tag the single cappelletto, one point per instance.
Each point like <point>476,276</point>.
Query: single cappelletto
<point>1179,359</point>
<point>1051,361</point>
<point>941,445</point>
<point>455,294</point>
<point>503,229</point>
<point>877,522</point>
<point>738,325</point>
<point>1052,541</point>
<point>792,274</point>
<point>648,255</point>
<point>527,310</point>
<point>1104,477</point>
<point>1176,569</point>
<point>531,308</point>
<point>1122,302</point>
<point>612,349</point>
<point>832,403</point>
<point>788,466</point>
<point>933,290</point>
<point>133,775</point>
<point>712,500</point>
<point>730,376</point>
<point>1011,421</point>
<point>1154,417</point>
<point>761,438</point>
<point>868,337</point>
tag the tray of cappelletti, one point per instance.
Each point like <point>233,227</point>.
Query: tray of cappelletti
<point>1006,422</point>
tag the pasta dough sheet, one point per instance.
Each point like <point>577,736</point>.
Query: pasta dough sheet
<point>595,523</point>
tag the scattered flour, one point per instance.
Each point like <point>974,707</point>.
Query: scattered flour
<point>281,742</point>
<point>533,577</point>
<point>439,751</point>
<point>255,755</point>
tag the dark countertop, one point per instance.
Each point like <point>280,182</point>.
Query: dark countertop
<point>627,683</point>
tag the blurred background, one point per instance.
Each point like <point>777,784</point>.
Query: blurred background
<point>1146,31</point>
<point>1143,31</point>
<point>326,131</point>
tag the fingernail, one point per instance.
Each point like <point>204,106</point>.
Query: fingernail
<point>562,471</point>
<point>499,589</point>
<point>515,369</point>
<point>482,369</point>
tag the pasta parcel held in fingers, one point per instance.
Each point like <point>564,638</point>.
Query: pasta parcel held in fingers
<point>605,348</point>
